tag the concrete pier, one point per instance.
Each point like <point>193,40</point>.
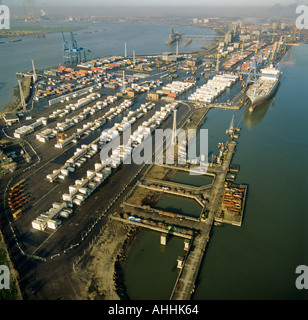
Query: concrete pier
<point>185,284</point>
<point>186,244</point>
<point>196,243</point>
<point>163,239</point>
<point>180,261</point>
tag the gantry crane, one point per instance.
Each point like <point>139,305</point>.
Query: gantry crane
<point>67,57</point>
<point>74,54</point>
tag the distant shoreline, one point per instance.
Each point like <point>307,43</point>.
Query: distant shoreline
<point>37,30</point>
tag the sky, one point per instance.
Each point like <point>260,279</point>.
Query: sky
<point>161,8</point>
<point>75,3</point>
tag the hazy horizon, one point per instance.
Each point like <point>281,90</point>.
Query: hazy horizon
<point>236,8</point>
<point>149,3</point>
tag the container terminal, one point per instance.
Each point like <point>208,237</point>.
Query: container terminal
<point>65,192</point>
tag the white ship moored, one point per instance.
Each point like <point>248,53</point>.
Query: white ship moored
<point>264,87</point>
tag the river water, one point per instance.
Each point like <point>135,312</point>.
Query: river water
<point>103,39</point>
<point>180,205</point>
<point>257,260</point>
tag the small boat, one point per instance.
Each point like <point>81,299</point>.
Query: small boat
<point>15,40</point>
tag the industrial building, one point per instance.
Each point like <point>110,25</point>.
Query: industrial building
<point>10,118</point>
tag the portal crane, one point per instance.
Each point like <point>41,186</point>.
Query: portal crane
<point>252,74</point>
<point>79,54</point>
<point>67,57</point>
<point>74,50</point>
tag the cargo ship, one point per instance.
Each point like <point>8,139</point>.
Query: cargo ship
<point>264,88</point>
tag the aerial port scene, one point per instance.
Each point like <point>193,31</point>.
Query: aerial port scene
<point>153,152</point>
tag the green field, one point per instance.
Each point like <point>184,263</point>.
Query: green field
<point>39,29</point>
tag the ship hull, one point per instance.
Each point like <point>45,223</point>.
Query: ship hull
<point>261,99</point>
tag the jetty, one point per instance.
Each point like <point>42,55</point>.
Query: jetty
<point>185,284</point>
<point>195,229</point>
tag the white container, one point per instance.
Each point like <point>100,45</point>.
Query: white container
<point>80,197</point>
<point>99,174</point>
<point>39,225</point>
<point>92,185</point>
<point>78,202</point>
<point>64,172</point>
<point>84,191</point>
<point>64,214</point>
<point>98,166</point>
<point>66,197</point>
<point>53,224</point>
<point>72,189</point>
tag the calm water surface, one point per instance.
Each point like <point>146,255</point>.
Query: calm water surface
<point>258,260</point>
<point>180,205</point>
<point>153,267</point>
<point>196,180</point>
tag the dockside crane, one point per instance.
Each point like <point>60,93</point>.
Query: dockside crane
<point>74,50</point>
<point>252,73</point>
<point>79,54</point>
<point>67,57</point>
<point>73,54</point>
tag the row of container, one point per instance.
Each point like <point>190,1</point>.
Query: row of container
<point>56,87</point>
<point>68,123</point>
<point>85,186</point>
<point>146,85</point>
<point>123,152</point>
<point>73,95</point>
<point>49,218</point>
<point>25,130</point>
<point>176,88</point>
<point>264,54</point>
<point>233,199</point>
<point>109,135</point>
<point>90,126</point>
<point>213,88</point>
<point>76,195</point>
<point>88,149</point>
<point>48,134</point>
<point>74,106</point>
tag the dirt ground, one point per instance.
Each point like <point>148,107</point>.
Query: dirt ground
<point>97,268</point>
<point>196,119</point>
<point>157,172</point>
<point>143,196</point>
